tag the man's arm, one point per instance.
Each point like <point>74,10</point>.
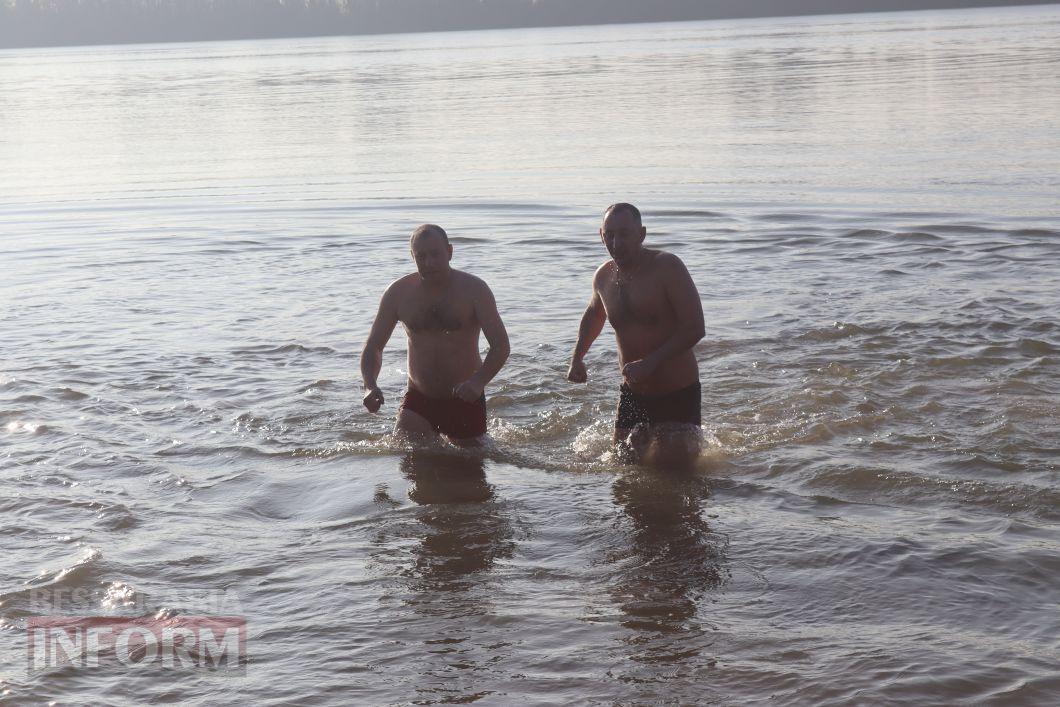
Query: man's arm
<point>591,325</point>
<point>497,337</point>
<point>684,298</point>
<point>372,355</point>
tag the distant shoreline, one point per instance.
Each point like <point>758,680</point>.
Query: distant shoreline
<point>116,26</point>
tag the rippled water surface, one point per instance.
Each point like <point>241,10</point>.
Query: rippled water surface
<point>193,239</point>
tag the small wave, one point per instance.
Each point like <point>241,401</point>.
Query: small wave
<point>999,247</point>
<point>72,574</point>
<point>883,485</point>
<point>220,251</point>
<point>467,239</point>
<point>963,362</point>
<point>927,250</point>
<point>118,595</point>
<point>1034,347</point>
<point>322,384</point>
<point>117,517</point>
<point>552,425</point>
<point>24,427</point>
<point>50,591</point>
<point>915,214</point>
<point>25,399</point>
<point>686,213</point>
<point>748,249</point>
<point>549,242</point>
<point>1035,233</point>
<point>490,206</point>
<point>271,350</point>
<point>70,394</point>
<point>960,228</point>
<point>868,234</point>
<point>838,330</point>
<point>787,217</point>
<point>246,451</point>
<point>788,240</point>
<point>916,237</point>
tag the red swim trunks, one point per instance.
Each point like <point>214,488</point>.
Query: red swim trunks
<point>451,416</point>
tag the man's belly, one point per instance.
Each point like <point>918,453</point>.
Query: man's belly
<point>437,365</point>
<point>636,343</point>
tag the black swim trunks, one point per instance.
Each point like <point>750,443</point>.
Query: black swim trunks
<point>680,407</point>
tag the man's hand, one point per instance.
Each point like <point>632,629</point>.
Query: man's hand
<point>577,373</point>
<point>638,371</point>
<point>469,391</point>
<point>373,399</point>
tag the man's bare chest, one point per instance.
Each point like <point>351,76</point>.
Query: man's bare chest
<point>635,304</point>
<point>437,315</point>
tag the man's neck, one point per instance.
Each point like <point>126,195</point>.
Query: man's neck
<point>437,282</point>
<point>634,264</point>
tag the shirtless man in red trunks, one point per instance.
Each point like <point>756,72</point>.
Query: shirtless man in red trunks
<point>443,311</point>
<point>654,308</point>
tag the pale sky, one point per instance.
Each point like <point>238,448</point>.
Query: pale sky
<point>23,23</point>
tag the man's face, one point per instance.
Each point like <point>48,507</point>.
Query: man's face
<point>622,235</point>
<point>432,255</point>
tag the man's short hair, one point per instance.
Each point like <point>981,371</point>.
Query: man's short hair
<point>621,207</point>
<point>430,228</point>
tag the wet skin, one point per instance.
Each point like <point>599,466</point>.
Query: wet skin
<point>654,308</point>
<point>443,312</point>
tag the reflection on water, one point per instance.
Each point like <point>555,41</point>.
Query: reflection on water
<point>671,559</point>
<point>462,532</point>
<point>462,528</point>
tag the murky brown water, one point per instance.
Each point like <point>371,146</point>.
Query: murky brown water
<point>194,241</point>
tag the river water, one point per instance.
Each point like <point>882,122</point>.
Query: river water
<point>193,240</point>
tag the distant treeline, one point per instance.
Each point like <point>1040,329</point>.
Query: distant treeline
<point>25,23</point>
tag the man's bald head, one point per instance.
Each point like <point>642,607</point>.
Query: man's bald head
<point>431,250</point>
<point>429,229</point>
<point>623,208</point>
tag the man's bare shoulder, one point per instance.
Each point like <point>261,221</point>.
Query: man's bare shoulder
<point>674,276</point>
<point>402,285</point>
<point>668,263</point>
<point>401,289</point>
<point>603,273</point>
<point>471,284</point>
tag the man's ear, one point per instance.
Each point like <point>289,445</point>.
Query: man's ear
<point>449,247</point>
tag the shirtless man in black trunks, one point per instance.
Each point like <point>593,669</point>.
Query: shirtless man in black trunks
<point>443,311</point>
<point>654,308</point>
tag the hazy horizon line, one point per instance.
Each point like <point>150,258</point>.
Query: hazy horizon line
<point>42,27</point>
